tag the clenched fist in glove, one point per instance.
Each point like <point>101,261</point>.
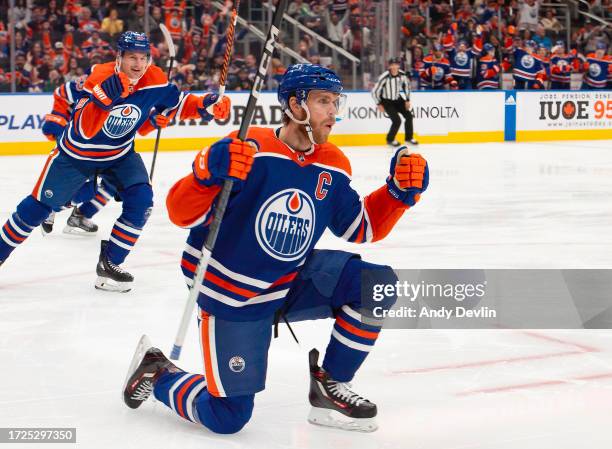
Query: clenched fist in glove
<point>53,126</point>
<point>219,111</point>
<point>409,176</point>
<point>226,159</point>
<point>107,93</point>
<point>159,120</point>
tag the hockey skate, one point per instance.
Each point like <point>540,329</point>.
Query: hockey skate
<point>46,227</point>
<point>334,404</point>
<point>78,224</point>
<point>111,277</point>
<point>147,365</point>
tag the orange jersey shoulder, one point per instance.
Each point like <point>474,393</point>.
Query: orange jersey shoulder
<point>98,74</point>
<point>154,76</point>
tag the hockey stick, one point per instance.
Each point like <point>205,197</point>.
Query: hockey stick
<point>172,52</point>
<point>223,197</point>
<point>228,53</point>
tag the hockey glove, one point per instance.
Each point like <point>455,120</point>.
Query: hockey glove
<point>53,126</point>
<point>226,159</point>
<point>159,120</point>
<point>111,90</point>
<point>219,111</point>
<point>409,176</point>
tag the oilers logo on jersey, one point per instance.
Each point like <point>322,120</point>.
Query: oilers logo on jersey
<point>285,223</point>
<point>121,120</point>
<point>461,58</point>
<point>527,61</point>
<point>594,70</point>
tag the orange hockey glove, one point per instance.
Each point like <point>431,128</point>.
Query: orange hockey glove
<point>226,159</point>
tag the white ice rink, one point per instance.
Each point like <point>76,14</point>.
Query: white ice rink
<point>64,347</point>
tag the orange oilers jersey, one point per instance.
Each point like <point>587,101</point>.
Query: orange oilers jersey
<point>272,222</point>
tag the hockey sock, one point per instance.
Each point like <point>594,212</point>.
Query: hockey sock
<point>29,214</point>
<point>95,204</point>
<point>122,239</point>
<point>350,343</point>
<point>187,396</point>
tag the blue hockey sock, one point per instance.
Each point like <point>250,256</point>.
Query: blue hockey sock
<point>29,214</point>
<point>186,395</point>
<point>350,343</point>
<point>122,239</point>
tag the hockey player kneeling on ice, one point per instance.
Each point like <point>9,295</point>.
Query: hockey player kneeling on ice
<point>99,139</point>
<point>290,185</point>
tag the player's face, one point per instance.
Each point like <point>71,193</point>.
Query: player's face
<point>134,64</point>
<point>323,107</point>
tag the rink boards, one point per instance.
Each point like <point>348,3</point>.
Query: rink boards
<point>440,117</point>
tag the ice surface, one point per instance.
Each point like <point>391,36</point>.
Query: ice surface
<point>64,347</point>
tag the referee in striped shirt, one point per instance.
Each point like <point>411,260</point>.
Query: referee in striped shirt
<point>392,95</point>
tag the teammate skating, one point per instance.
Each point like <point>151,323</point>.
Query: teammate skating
<point>291,185</point>
<point>120,98</point>
<point>94,194</point>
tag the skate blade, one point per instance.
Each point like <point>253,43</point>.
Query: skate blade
<point>109,285</point>
<point>73,230</point>
<point>144,344</point>
<point>331,418</point>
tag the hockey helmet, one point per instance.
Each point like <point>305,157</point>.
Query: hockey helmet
<point>299,79</point>
<point>488,48</point>
<point>133,41</point>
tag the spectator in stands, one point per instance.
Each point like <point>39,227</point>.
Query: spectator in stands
<point>74,71</point>
<point>334,24</point>
<point>136,22</point>
<point>251,65</point>
<point>299,10</point>
<point>356,39</point>
<point>242,82</point>
<point>112,24</point>
<point>96,45</point>
<point>87,24</point>
<point>528,14</point>
<point>98,12</point>
<point>21,14</point>
<point>200,71</point>
<point>54,81</point>
<point>541,38</point>
<point>36,84</point>
<point>550,23</point>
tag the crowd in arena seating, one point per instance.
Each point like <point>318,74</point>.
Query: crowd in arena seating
<point>59,40</point>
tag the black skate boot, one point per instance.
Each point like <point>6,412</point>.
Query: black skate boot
<point>79,224</point>
<point>147,365</point>
<point>46,227</point>
<point>334,404</point>
<point>111,277</point>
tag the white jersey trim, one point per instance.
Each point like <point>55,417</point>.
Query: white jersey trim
<point>237,276</point>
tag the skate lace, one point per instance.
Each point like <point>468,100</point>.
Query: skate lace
<point>116,268</point>
<point>342,390</point>
<point>143,391</point>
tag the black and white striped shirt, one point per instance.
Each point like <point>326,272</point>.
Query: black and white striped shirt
<point>389,87</point>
